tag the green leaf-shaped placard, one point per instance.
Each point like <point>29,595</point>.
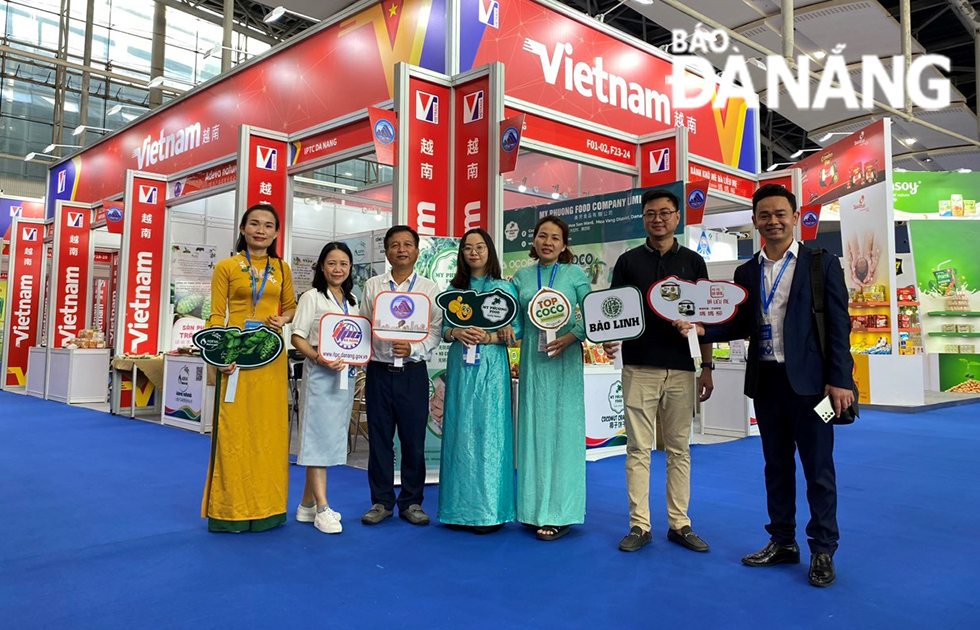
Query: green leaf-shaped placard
<point>469,309</point>
<point>249,349</point>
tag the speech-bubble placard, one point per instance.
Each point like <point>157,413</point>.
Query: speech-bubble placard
<point>613,314</point>
<point>346,337</point>
<point>248,349</point>
<point>705,301</point>
<point>490,311</point>
<point>401,316</point>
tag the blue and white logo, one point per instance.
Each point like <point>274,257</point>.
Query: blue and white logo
<point>267,158</point>
<point>510,139</point>
<point>810,218</point>
<point>114,214</point>
<point>384,131</point>
<point>427,107</point>
<point>696,199</point>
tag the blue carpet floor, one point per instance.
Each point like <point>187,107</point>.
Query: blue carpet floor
<point>99,528</point>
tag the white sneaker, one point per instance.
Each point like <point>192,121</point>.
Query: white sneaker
<point>327,523</point>
<point>306,514</point>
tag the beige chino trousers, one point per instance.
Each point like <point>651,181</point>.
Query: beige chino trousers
<point>651,393</point>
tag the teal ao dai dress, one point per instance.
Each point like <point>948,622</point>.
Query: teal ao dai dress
<point>551,412</point>
<point>476,477</point>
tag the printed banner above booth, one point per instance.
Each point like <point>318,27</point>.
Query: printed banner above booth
<point>567,62</point>
<point>12,208</point>
<point>282,92</point>
<point>848,165</point>
<point>22,306</point>
<point>69,293</point>
<point>925,195</point>
<point>601,228</point>
<point>143,265</point>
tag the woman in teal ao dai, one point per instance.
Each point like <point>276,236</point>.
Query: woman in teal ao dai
<point>551,413</point>
<point>476,478</point>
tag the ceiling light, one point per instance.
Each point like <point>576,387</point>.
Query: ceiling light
<point>274,15</point>
<point>555,195</point>
<point>910,141</point>
<point>826,137</point>
<point>523,186</point>
<point>348,174</point>
<point>777,165</point>
<point>755,61</point>
<point>378,216</point>
<point>50,148</point>
<point>155,82</point>
<point>30,156</point>
<point>964,170</point>
<point>79,130</point>
<point>115,109</point>
<point>818,55</point>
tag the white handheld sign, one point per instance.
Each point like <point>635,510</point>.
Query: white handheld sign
<point>401,317</point>
<point>549,310</point>
<point>613,315</point>
<point>346,337</point>
<point>704,301</point>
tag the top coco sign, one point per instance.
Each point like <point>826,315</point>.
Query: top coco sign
<point>834,82</point>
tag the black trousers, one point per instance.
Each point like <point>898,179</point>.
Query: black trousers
<point>788,423</point>
<point>396,400</point>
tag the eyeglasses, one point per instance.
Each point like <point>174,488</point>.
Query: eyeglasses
<point>479,249</point>
<point>663,215</point>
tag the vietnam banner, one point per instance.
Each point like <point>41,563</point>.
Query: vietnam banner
<point>22,308</point>
<point>809,221</point>
<point>427,138</point>
<point>12,208</point>
<point>471,156</point>
<point>70,273</point>
<point>143,251</point>
<point>384,123</point>
<point>265,156</point>
<point>511,130</point>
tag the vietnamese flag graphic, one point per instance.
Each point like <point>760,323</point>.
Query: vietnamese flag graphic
<point>392,10</point>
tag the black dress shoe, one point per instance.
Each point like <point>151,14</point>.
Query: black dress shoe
<point>635,539</point>
<point>822,569</point>
<point>686,537</point>
<point>773,554</point>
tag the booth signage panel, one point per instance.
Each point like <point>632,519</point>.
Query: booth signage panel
<point>266,172</point>
<point>428,122</point>
<point>565,64</point>
<point>23,303</point>
<point>471,163</point>
<point>144,237</point>
<point>848,165</point>
<point>576,139</point>
<point>11,208</point>
<point>220,175</point>
<point>69,299</point>
<point>721,181</point>
<point>605,419</point>
<point>936,195</point>
<point>330,142</point>
<point>361,51</point>
<point>658,162</point>
<point>184,389</point>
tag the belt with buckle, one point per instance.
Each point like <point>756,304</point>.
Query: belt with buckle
<point>407,365</point>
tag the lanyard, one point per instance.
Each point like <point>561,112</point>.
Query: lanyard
<point>766,301</point>
<point>341,305</point>
<point>257,296</point>
<point>554,273</point>
<point>415,277</point>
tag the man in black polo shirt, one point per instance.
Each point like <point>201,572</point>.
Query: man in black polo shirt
<point>658,377</point>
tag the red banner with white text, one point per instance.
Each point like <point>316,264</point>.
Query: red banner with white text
<point>721,181</point>
<point>471,155</point>
<point>24,293</point>
<point>696,194</point>
<point>330,142</point>
<point>69,299</point>
<point>265,169</point>
<point>143,265</point>
<point>428,123</point>
<point>809,221</point>
<point>384,125</point>
<point>511,131</point>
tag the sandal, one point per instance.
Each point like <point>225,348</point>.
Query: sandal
<point>554,532</point>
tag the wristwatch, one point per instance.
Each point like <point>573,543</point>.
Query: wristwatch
<point>709,366</point>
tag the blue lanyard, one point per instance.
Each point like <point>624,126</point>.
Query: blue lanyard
<point>415,277</point>
<point>766,301</point>
<point>257,296</point>
<point>554,274</point>
<point>341,305</point>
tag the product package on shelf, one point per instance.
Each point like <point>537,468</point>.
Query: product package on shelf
<point>958,303</point>
<point>87,339</point>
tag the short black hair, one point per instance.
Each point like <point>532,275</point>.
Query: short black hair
<point>659,193</point>
<point>773,190</point>
<point>395,229</point>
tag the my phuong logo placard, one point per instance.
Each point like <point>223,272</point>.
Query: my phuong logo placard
<point>267,158</point>
<point>427,107</point>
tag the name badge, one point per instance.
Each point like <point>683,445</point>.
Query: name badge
<point>765,337</point>
<point>252,324</point>
<point>542,341</point>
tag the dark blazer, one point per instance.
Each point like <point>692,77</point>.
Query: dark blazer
<point>806,368</point>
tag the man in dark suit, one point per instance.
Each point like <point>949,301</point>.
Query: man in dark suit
<point>787,376</point>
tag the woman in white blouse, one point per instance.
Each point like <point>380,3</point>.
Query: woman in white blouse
<point>324,414</point>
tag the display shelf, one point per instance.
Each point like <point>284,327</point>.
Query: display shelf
<point>953,314</point>
<point>954,334</point>
<point>900,303</point>
<point>910,330</point>
<point>871,330</point>
<point>868,304</point>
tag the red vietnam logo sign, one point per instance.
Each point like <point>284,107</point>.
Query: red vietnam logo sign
<point>24,293</point>
<point>70,279</point>
<point>428,148</point>
<point>266,176</point>
<point>143,245</point>
<point>471,164</point>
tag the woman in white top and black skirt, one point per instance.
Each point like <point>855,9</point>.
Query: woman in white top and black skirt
<point>324,415</point>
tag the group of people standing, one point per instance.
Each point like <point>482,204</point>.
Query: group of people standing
<point>248,475</point>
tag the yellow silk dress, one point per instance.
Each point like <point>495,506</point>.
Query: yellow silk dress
<point>248,477</point>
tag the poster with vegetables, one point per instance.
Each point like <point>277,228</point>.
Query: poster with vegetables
<point>191,267</point>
